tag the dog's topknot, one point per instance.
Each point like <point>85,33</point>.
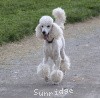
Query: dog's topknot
<point>46,20</point>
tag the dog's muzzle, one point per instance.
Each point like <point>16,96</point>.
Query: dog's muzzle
<point>46,37</point>
<point>44,32</point>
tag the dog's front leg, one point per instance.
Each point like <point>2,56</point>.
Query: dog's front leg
<point>45,59</point>
<point>43,69</point>
<point>56,75</point>
<point>57,59</point>
<point>46,67</point>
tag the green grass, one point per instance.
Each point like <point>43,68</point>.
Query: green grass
<point>18,18</point>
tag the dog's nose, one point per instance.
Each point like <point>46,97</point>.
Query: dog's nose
<point>44,32</point>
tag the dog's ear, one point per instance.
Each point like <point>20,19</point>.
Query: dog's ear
<point>38,32</point>
<point>56,31</point>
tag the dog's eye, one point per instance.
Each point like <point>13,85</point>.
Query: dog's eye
<point>42,26</point>
<point>48,26</point>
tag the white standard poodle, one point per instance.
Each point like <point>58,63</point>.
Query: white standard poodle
<point>54,46</point>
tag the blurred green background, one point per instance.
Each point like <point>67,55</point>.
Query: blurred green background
<point>18,18</point>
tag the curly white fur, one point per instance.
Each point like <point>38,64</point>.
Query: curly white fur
<point>60,16</point>
<point>65,64</point>
<point>43,70</point>
<point>56,30</point>
<point>56,76</point>
<point>54,45</point>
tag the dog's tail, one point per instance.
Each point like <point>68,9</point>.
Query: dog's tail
<point>60,16</point>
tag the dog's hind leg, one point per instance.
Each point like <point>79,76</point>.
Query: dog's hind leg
<point>65,62</point>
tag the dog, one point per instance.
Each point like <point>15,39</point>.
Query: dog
<point>54,46</point>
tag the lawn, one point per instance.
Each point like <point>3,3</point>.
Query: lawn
<point>18,18</point>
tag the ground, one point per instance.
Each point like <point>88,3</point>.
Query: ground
<point>18,62</point>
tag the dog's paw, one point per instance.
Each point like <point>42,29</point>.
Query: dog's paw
<point>43,70</point>
<point>56,76</point>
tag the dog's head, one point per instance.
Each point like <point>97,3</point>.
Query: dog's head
<point>46,25</point>
<point>46,29</point>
